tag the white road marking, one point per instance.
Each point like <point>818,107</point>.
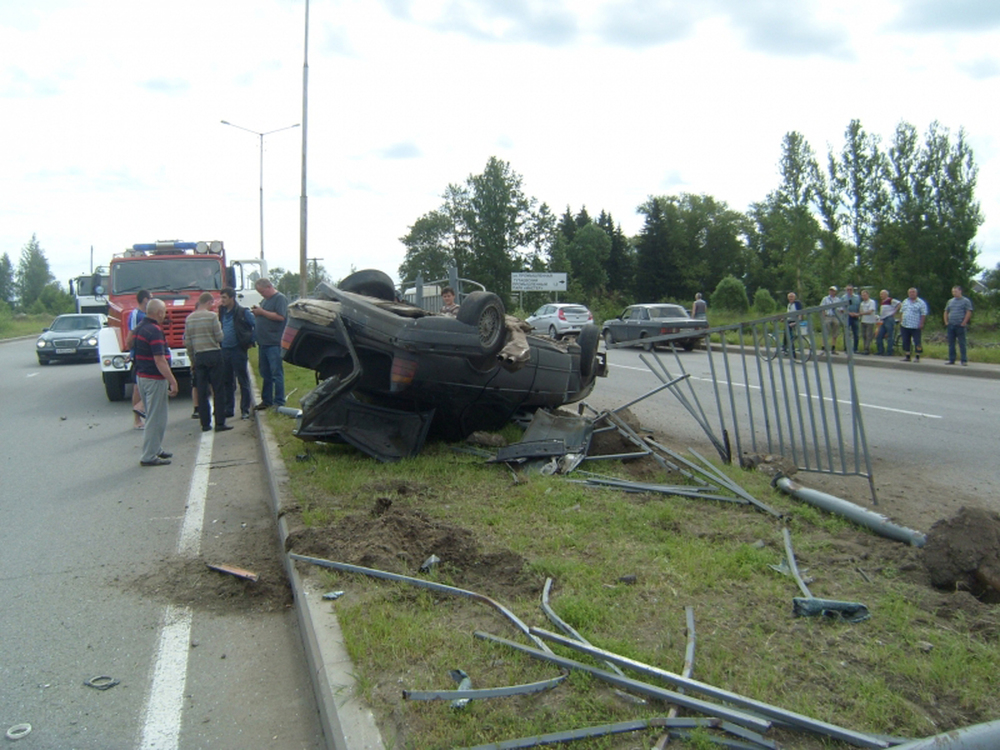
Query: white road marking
<point>189,544</point>
<point>825,398</point>
<point>164,707</point>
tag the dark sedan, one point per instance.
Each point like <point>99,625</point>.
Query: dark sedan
<point>70,338</point>
<point>641,322</point>
<point>461,373</point>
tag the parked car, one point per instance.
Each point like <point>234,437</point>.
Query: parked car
<point>640,322</point>
<point>391,372</point>
<point>70,338</point>
<point>558,319</point>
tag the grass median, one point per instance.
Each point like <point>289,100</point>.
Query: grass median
<point>624,567</point>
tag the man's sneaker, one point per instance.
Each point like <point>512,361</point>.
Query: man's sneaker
<point>917,358</point>
<point>905,359</point>
<point>951,362</point>
<point>223,427</point>
<point>261,406</point>
<point>965,364</point>
<point>245,415</point>
<point>155,462</point>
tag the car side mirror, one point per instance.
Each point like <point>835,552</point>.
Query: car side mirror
<point>44,330</point>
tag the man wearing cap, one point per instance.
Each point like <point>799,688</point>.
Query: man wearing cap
<point>831,321</point>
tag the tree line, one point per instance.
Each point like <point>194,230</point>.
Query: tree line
<point>873,215</point>
<point>30,287</point>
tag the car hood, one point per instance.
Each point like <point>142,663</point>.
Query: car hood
<point>75,333</point>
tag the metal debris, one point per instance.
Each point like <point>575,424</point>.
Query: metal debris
<point>421,583</point>
<point>498,692</point>
<point>18,731</point>
<point>464,683</point>
<point>103,682</point>
<point>333,595</point>
<point>809,606</point>
<point>791,718</point>
<point>429,563</point>
<point>832,504</point>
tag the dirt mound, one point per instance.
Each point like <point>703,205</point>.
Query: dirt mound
<point>963,552</point>
<point>399,540</point>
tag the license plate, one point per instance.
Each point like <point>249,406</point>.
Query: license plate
<point>65,351</point>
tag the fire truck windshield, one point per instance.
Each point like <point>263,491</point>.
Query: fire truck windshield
<point>166,275</point>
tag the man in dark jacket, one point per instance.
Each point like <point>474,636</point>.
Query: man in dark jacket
<point>237,338</point>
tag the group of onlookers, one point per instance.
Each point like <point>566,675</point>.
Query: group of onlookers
<point>217,343</point>
<point>868,320</point>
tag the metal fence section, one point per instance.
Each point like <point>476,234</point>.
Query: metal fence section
<point>777,388</point>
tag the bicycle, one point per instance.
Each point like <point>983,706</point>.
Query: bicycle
<point>777,345</point>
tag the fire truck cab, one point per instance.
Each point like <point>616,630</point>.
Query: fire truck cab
<point>177,273</point>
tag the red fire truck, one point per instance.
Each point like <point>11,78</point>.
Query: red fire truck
<point>177,273</point>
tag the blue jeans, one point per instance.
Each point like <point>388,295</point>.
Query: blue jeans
<point>885,331</point>
<point>956,332</point>
<point>272,372</point>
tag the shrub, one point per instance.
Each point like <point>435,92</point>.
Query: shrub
<point>731,295</point>
<point>763,302</point>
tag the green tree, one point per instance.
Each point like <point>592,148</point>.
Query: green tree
<point>928,240</point>
<point>288,284</point>
<point>33,274</point>
<point>658,274</point>
<point>795,196</point>
<point>730,294</point>
<point>56,301</point>
<point>587,254</point>
<point>430,247</point>
<point>620,265</point>
<point>861,176</point>
<point>7,287</point>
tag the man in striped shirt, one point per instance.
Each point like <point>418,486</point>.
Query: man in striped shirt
<point>155,381</point>
<point>202,339</point>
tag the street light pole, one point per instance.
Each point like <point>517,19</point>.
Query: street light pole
<point>261,137</point>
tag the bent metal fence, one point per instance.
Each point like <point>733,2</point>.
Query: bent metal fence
<point>777,387</point>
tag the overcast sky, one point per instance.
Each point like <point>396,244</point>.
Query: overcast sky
<point>110,110</point>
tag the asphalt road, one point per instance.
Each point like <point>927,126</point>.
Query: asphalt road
<point>928,425</point>
<point>80,522</point>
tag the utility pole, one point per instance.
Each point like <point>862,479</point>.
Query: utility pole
<point>303,200</point>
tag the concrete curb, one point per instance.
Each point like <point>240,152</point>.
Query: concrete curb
<point>347,723</point>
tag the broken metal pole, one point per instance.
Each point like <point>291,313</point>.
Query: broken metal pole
<point>656,390</point>
<point>791,718</point>
<point>439,587</point>
<point>497,692</point>
<point>603,730</point>
<point>977,737</point>
<point>565,626</point>
<point>874,521</point>
<point>731,485</point>
<point>790,555</point>
<point>650,691</point>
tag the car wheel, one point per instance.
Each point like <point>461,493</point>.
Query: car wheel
<point>689,346</point>
<point>114,385</point>
<point>588,340</point>
<point>485,311</point>
<point>371,283</point>
<point>553,333</point>
<point>646,345</point>
<point>609,338</point>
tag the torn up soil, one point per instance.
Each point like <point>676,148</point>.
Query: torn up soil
<point>397,539</point>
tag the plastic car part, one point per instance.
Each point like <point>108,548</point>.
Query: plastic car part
<point>18,731</point>
<point>383,433</point>
<point>103,682</point>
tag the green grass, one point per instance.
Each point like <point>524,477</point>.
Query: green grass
<point>926,661</point>
<point>16,326</point>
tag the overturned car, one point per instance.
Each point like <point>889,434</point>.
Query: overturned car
<point>390,373</point>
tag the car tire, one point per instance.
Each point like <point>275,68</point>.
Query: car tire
<point>553,333</point>
<point>689,346</point>
<point>485,311</point>
<point>114,385</point>
<point>646,345</point>
<point>371,283</point>
<point>609,338</point>
<point>588,340</point>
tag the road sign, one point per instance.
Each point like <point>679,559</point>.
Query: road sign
<point>538,282</point>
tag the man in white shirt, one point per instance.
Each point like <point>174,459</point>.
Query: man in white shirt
<point>831,321</point>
